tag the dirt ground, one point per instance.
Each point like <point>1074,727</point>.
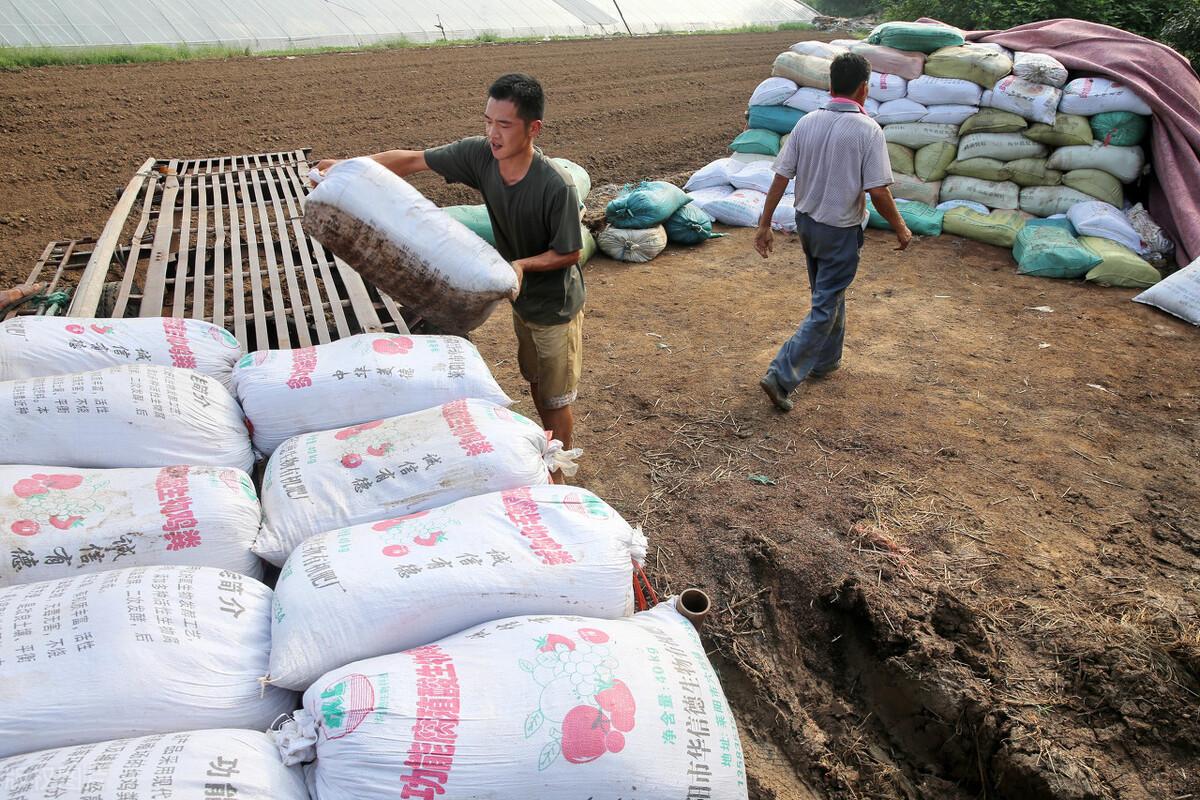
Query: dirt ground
<point>969,563</point>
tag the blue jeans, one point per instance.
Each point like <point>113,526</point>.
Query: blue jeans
<point>832,256</point>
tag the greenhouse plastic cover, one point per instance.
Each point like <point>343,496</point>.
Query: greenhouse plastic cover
<point>284,24</point>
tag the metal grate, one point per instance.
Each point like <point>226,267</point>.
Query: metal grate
<point>220,239</point>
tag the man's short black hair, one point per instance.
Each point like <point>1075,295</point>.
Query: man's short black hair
<point>847,72</point>
<point>523,91</point>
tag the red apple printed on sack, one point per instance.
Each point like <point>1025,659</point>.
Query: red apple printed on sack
<point>25,527</point>
<point>75,329</point>
<point>351,460</point>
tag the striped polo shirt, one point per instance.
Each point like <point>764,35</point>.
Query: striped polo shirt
<point>835,154</point>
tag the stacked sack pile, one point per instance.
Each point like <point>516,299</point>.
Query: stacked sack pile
<point>981,140</point>
<point>645,217</point>
<point>458,624</point>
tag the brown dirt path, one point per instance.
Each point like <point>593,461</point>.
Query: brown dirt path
<point>976,572</point>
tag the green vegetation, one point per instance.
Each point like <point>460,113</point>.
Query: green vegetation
<point>17,58</point>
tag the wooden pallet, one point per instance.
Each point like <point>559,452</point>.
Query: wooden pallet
<point>220,239</point>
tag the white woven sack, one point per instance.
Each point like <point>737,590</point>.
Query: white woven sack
<point>701,198</point>
<point>759,177</point>
<point>1000,146</point>
<point>408,247</point>
<point>537,708</point>
<point>33,347</point>
<point>58,523</point>
<point>1046,201</point>
<point>742,208</point>
<point>820,49</point>
<point>535,550</point>
<point>134,652</point>
<point>132,416</point>
<point>950,114</point>
<point>750,158</point>
<point>1126,164</point>
<point>928,90</point>
<point>212,763</point>
<point>784,218</point>
<point>807,99</point>
<point>1098,218</point>
<point>1177,294</point>
<point>715,173</point>
<point>388,468</point>
<point>871,107</point>
<point>884,87</point>
<point>1091,96</point>
<point>1033,101</point>
<point>285,393</point>
<point>897,112</point>
<point>918,134</point>
<point>772,92</point>
<point>1040,68</point>
<point>993,194</point>
<point>635,245</point>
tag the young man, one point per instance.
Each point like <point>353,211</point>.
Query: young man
<point>534,211</point>
<point>835,154</point>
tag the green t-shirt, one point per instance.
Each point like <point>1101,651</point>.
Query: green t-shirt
<point>538,213</point>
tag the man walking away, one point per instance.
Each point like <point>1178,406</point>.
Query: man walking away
<point>835,154</point>
<point>534,210</point>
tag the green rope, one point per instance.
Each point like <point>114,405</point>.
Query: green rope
<point>59,298</point>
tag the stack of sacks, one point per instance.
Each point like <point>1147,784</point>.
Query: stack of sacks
<point>477,220</point>
<point>734,193</point>
<point>637,218</point>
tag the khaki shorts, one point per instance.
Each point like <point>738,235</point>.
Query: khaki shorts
<point>551,357</point>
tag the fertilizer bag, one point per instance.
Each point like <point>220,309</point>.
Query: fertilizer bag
<point>1177,294</point>
<point>966,62</point>
<point>742,208</point>
<point>476,219</point>
<point>645,205</point>
<point>1049,251</point>
<point>780,119</point>
<point>1124,163</point>
<point>1033,101</point>
<point>715,173</point>
<point>993,194</point>
<point>408,247</point>
<point>1046,201</point>
<point>756,141</point>
<point>999,228</point>
<point>285,393</point>
<point>915,36</point>
<point>773,92</point>
<point>1102,220</point>
<point>58,523</point>
<point>701,198</point>
<point>388,468</point>
<point>196,764</point>
<point>535,550</point>
<point>1119,266</point>
<point>34,347</point>
<point>134,652</point>
<point>131,416</point>
<point>803,70</point>
<point>690,225</point>
<point>1090,96</point>
<point>1096,183</point>
<point>540,708</point>
<point>635,245</point>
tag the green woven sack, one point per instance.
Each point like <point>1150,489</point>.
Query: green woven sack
<point>915,36</point>
<point>921,219</point>
<point>1067,130</point>
<point>1097,183</point>
<point>974,64</point>
<point>1032,172</point>
<point>476,218</point>
<point>1123,128</point>
<point>645,205</point>
<point>1049,251</point>
<point>780,119</point>
<point>757,142</point>
<point>690,225</point>
<point>902,158</point>
<point>985,169</point>
<point>1119,266</point>
<point>932,159</point>
<point>583,181</point>
<point>999,228</point>
<point>993,120</point>
<point>589,246</point>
